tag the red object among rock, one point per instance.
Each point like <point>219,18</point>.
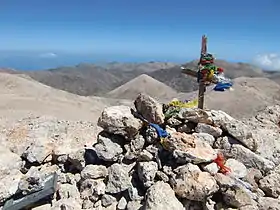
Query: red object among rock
<point>220,161</point>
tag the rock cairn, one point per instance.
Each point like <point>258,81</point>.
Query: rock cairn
<point>130,167</point>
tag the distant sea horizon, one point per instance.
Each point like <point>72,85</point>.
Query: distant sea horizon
<point>35,61</point>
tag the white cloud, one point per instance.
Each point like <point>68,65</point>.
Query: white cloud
<point>268,61</point>
<point>48,55</point>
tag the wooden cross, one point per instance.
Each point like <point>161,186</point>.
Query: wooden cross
<point>193,73</point>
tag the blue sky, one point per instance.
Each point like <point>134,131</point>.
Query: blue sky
<point>157,29</point>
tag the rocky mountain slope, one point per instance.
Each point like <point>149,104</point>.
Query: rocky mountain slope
<point>89,79</point>
<point>129,167</point>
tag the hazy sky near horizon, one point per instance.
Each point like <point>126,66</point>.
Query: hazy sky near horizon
<point>241,30</point>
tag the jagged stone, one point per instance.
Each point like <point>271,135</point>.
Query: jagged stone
<point>204,128</point>
<point>253,177</point>
<point>133,194</point>
<point>91,189</point>
<point>67,204</point>
<point>266,203</point>
<point>134,148</point>
<point>237,168</point>
<point>31,182</point>
<point>134,205</point>
<point>193,184</point>
<point>161,196</point>
<point>147,172</point>
<point>119,179</point>
<point>39,152</point>
<point>270,184</point>
<point>149,108</point>
<point>145,156</point>
<point>162,176</point>
<point>195,115</point>
<point>119,120</point>
<point>9,184</point>
<point>211,168</point>
<point>205,137</point>
<point>77,159</point>
<point>107,200</point>
<point>249,158</point>
<point>241,132</point>
<point>238,197</point>
<point>188,148</point>
<point>66,191</point>
<point>107,150</point>
<point>94,172</point>
<point>122,204</point>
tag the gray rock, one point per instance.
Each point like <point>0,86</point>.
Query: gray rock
<point>205,137</point>
<point>266,203</point>
<point>238,169</point>
<point>149,108</point>
<point>250,159</point>
<point>134,205</point>
<point>162,176</point>
<point>94,172</point>
<point>66,191</point>
<point>134,148</point>
<point>87,204</point>
<point>173,122</point>
<point>269,145</point>
<point>77,159</point>
<point>108,200</point>
<point>67,204</point>
<point>187,148</point>
<point>241,132</point>
<point>219,117</point>
<point>119,179</point>
<point>238,197</point>
<point>195,115</point>
<point>119,120</point>
<point>193,184</point>
<point>91,189</point>
<point>107,150</point>
<point>204,128</point>
<point>253,177</point>
<point>270,184</point>
<point>31,182</point>
<point>145,156</point>
<point>38,152</point>
<point>211,168</point>
<point>225,143</point>
<point>122,204</point>
<point>9,184</point>
<point>133,194</point>
<point>161,196</point>
<point>147,172</point>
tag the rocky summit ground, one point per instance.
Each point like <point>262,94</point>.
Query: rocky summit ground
<point>129,167</point>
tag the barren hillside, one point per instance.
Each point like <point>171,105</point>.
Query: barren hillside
<point>142,84</point>
<point>21,96</point>
<point>249,95</point>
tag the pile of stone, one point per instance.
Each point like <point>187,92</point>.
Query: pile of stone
<point>130,167</point>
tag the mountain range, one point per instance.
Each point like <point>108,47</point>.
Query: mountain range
<point>90,79</point>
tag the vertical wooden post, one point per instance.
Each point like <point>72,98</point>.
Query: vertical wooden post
<point>202,86</point>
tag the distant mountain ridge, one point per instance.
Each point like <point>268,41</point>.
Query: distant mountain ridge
<point>91,79</point>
